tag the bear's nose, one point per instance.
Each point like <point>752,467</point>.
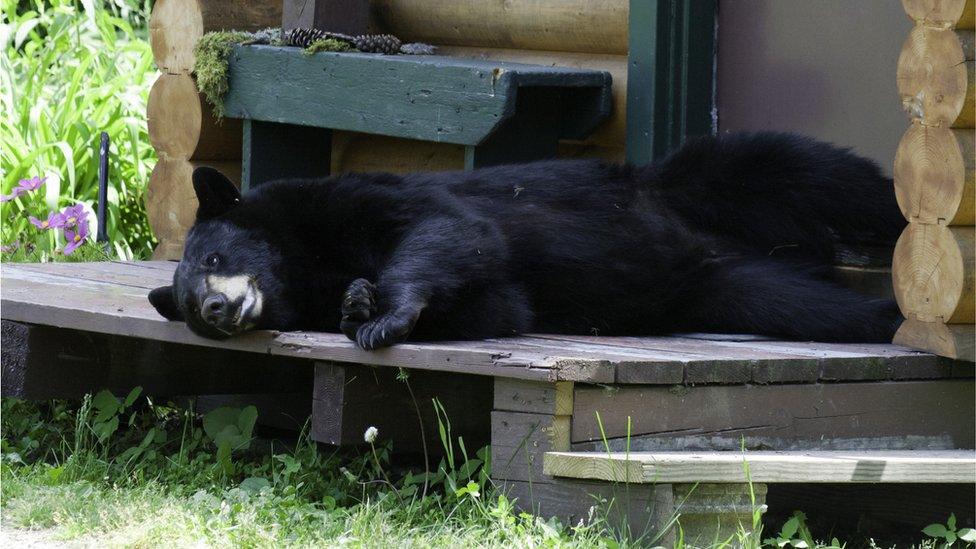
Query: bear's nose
<point>214,307</point>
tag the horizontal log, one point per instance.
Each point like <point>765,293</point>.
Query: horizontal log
<point>612,132</point>
<point>948,340</point>
<point>591,26</point>
<point>866,280</point>
<point>182,125</point>
<point>934,177</point>
<point>932,273</point>
<point>360,152</point>
<point>176,25</point>
<point>941,13</point>
<point>171,204</point>
<point>935,77</point>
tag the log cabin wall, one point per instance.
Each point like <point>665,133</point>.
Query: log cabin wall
<point>933,267</point>
<point>182,128</point>
<point>573,33</point>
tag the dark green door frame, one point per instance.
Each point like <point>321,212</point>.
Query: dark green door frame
<point>670,75</point>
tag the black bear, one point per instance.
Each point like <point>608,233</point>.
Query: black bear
<point>733,234</point>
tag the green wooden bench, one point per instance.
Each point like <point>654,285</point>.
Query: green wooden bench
<point>500,112</point>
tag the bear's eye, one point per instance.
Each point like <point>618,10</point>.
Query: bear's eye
<point>212,260</point>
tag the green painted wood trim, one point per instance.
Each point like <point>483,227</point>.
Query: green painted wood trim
<point>532,134</point>
<point>671,75</point>
<point>278,151</point>
<point>431,98</point>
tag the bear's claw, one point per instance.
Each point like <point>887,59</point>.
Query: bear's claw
<point>384,331</point>
<point>358,306</point>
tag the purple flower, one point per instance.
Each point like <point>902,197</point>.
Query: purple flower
<point>31,184</point>
<point>55,220</point>
<point>23,186</point>
<point>74,238</point>
<point>75,215</point>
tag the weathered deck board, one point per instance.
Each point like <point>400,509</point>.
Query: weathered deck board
<point>110,298</point>
<point>948,466</point>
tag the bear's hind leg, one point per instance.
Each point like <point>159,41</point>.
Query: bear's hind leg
<point>761,296</point>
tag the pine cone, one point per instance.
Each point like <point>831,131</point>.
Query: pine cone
<point>302,37</point>
<point>377,43</point>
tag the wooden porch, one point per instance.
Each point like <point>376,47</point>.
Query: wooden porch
<point>72,328</point>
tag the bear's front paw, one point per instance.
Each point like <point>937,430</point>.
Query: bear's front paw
<point>386,330</point>
<point>358,306</point>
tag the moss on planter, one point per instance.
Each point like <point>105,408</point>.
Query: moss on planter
<point>210,65</point>
<point>327,44</point>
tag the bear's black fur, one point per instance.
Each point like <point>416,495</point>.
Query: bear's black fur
<point>732,234</point>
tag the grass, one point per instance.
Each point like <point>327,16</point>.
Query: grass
<point>121,472</point>
<point>124,472</point>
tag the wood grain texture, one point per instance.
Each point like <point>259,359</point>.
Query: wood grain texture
<point>948,340</point>
<point>941,13</point>
<point>590,26</point>
<point>519,440</point>
<point>115,302</point>
<point>400,96</point>
<point>871,281</point>
<point>182,125</point>
<point>934,175</point>
<point>847,416</point>
<point>66,363</point>
<point>171,204</point>
<point>345,16</point>
<point>932,273</point>
<point>360,152</point>
<point>611,133</point>
<point>935,77</point>
<point>515,395</point>
<point>176,25</point>
<point>948,466</point>
<point>348,398</point>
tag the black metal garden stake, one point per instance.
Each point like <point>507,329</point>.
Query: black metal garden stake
<point>102,234</point>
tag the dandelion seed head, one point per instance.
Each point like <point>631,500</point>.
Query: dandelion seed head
<point>371,434</point>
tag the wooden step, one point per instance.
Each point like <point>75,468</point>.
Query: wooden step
<point>906,466</point>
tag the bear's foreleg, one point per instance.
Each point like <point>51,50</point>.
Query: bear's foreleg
<point>436,261</point>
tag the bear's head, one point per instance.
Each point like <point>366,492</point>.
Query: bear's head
<point>227,281</point>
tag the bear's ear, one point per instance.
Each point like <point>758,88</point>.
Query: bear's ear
<point>162,299</point>
<point>215,193</point>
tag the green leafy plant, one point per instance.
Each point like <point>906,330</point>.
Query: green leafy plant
<point>947,532</point>
<point>68,71</point>
<point>796,533</point>
<point>230,429</point>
